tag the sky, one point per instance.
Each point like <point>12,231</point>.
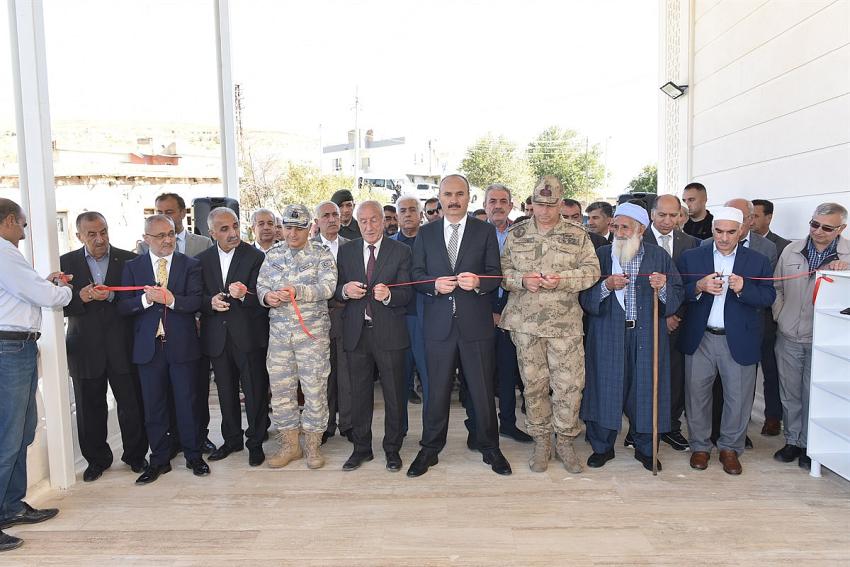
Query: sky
<point>449,71</point>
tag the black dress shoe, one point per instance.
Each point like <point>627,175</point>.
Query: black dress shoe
<point>676,440</point>
<point>393,462</point>
<point>207,447</point>
<point>597,460</point>
<point>356,459</point>
<point>138,466</point>
<point>472,441</point>
<point>28,515</point>
<point>646,460</point>
<point>327,435</point>
<point>629,441</point>
<point>748,443</point>
<point>92,473</point>
<point>222,452</point>
<point>153,472</point>
<point>256,456</point>
<point>787,453</point>
<point>497,462</point>
<point>423,461</point>
<point>413,397</point>
<point>516,434</point>
<point>198,466</point>
<point>805,461</point>
<point>8,543</point>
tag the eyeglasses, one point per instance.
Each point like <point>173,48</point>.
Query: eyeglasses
<point>162,235</point>
<point>824,227</point>
<point>430,212</point>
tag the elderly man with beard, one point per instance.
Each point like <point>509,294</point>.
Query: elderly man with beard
<point>618,358</point>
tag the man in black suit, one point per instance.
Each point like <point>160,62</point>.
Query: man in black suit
<point>234,334</point>
<point>375,331</point>
<point>98,342</point>
<point>599,214</point>
<point>663,232</point>
<point>453,252</point>
<point>165,344</point>
<point>571,210</point>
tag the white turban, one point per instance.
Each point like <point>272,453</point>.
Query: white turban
<point>727,213</point>
<point>633,211</point>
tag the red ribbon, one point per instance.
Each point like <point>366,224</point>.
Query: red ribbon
<point>817,287</point>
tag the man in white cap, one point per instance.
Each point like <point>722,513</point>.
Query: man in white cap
<point>618,360</point>
<point>722,333</point>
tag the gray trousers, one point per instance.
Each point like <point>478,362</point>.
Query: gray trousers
<point>794,361</point>
<point>739,383</point>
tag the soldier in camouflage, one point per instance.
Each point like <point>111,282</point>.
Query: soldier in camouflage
<point>546,262</point>
<point>306,271</point>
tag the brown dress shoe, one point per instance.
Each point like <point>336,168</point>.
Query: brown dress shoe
<point>731,464</point>
<point>699,460</point>
<point>772,427</point>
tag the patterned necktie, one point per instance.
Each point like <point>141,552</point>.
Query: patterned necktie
<point>453,242</point>
<point>370,272</point>
<point>665,242</point>
<point>162,280</point>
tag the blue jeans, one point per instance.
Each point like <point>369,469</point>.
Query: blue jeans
<point>18,418</point>
<point>415,357</point>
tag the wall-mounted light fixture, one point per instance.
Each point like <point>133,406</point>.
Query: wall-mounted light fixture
<point>673,90</point>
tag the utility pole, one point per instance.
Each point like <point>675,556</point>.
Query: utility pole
<point>237,95</point>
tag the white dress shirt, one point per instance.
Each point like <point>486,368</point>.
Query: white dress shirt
<point>23,292</point>
<point>261,249</point>
<point>155,264</point>
<point>224,260</point>
<point>333,245</point>
<point>447,230</point>
<point>722,265</point>
<point>659,238</point>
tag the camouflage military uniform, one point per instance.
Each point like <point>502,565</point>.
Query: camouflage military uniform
<point>293,356</point>
<point>547,326</point>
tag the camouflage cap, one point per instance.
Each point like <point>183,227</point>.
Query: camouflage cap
<point>296,215</point>
<point>548,191</point>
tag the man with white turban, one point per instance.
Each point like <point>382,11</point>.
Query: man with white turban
<point>618,355</point>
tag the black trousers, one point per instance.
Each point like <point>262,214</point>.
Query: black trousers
<point>232,368</point>
<point>93,414</point>
<point>361,362</point>
<point>339,389</point>
<point>478,361</point>
<point>158,378</point>
<point>202,405</point>
<point>677,384</point>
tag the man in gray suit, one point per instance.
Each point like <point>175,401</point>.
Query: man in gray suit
<point>664,232</point>
<point>173,206</point>
<point>339,383</point>
<point>772,405</point>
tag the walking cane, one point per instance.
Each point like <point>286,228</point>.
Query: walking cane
<point>655,383</point>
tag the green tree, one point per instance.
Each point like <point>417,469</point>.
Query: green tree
<point>646,181</point>
<point>570,157</point>
<point>496,160</point>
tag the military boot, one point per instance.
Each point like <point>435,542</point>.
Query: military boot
<point>567,454</point>
<point>312,442</point>
<point>539,460</point>
<point>290,449</point>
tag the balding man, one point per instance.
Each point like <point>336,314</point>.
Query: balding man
<point>722,334</point>
<point>98,342</point>
<point>234,334</point>
<point>263,223</point>
<point>664,232</point>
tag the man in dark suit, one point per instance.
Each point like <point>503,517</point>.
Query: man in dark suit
<point>166,346</point>
<point>339,382</point>
<point>663,232</point>
<point>599,215</point>
<point>234,334</point>
<point>375,331</point>
<point>772,405</point>
<point>571,210</point>
<point>722,333</point>
<point>453,252</point>
<point>98,342</point>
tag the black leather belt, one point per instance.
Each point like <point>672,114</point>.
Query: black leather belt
<point>715,331</point>
<point>631,323</point>
<point>19,336</point>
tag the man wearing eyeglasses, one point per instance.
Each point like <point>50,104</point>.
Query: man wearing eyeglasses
<point>433,210</point>
<point>824,249</point>
<point>166,347</point>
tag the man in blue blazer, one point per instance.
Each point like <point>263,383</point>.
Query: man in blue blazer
<point>458,320</point>
<point>722,333</point>
<point>165,344</point>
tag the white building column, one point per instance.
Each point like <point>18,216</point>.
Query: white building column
<point>226,107</point>
<point>35,159</point>
<point>675,63</point>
